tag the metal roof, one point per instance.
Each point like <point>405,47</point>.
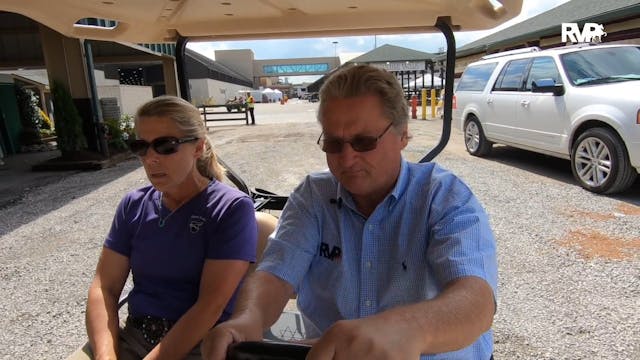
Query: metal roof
<point>549,22</point>
<point>388,52</point>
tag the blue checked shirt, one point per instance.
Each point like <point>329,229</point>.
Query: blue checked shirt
<point>428,231</point>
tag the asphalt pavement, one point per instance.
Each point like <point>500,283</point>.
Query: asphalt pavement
<point>17,177</point>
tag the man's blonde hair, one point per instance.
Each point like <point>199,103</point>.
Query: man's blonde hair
<point>359,80</point>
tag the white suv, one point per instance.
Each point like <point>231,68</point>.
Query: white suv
<point>576,102</point>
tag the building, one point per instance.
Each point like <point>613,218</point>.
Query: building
<point>414,69</point>
<point>621,20</point>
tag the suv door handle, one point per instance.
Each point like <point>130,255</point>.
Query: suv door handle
<point>489,101</point>
<point>524,103</point>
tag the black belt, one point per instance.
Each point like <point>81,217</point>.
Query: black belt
<point>153,328</point>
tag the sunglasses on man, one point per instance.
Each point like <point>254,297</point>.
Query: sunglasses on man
<point>165,145</point>
<point>359,143</point>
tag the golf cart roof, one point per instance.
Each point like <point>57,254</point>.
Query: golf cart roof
<point>157,21</point>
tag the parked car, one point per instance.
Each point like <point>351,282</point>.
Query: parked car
<point>578,102</point>
<point>314,97</point>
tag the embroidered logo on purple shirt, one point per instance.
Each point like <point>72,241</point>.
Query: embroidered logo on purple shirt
<point>195,223</point>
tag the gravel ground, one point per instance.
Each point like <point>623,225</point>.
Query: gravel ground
<point>569,260</point>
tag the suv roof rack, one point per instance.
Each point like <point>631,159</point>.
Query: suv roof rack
<point>511,52</point>
<point>579,45</point>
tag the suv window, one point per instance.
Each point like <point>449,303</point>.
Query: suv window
<point>543,68</point>
<point>475,78</point>
<point>512,75</point>
<point>604,65</point>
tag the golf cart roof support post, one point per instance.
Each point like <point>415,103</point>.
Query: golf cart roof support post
<point>445,26</point>
<point>183,82</point>
<point>181,68</point>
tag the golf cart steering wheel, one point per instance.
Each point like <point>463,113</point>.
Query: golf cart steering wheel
<point>258,350</point>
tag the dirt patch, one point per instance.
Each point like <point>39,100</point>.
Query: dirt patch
<point>591,244</point>
<point>621,209</point>
<point>580,214</point>
<point>628,209</point>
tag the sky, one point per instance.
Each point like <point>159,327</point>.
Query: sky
<point>350,47</point>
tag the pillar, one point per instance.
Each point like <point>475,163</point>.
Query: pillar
<point>170,75</point>
<point>65,62</point>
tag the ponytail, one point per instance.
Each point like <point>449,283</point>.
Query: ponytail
<point>208,165</point>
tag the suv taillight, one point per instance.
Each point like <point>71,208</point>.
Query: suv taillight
<point>638,118</point>
<point>454,104</point>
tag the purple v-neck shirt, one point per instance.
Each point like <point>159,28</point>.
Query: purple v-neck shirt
<point>167,261</point>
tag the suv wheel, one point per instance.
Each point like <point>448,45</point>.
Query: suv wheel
<point>600,163</point>
<point>474,139</point>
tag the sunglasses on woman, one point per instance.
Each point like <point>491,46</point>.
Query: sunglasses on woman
<point>165,145</point>
<point>359,143</point>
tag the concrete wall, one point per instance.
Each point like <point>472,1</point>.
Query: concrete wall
<point>101,80</point>
<point>212,92</point>
<point>240,61</point>
<point>130,97</point>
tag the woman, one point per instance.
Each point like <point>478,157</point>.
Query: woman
<point>188,240</point>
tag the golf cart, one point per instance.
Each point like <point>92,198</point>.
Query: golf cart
<point>235,104</point>
<point>181,21</point>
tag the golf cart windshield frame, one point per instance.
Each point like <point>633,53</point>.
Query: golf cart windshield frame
<point>442,24</point>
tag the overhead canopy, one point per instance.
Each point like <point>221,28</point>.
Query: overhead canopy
<point>157,21</point>
<point>427,82</point>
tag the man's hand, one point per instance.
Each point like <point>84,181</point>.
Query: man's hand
<point>451,321</point>
<point>215,343</point>
<point>367,338</point>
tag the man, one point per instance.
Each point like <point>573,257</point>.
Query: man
<point>389,259</point>
<point>250,104</point>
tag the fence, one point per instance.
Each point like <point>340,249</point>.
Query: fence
<point>229,112</point>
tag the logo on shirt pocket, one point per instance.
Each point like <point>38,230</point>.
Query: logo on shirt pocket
<point>195,223</point>
<point>332,253</point>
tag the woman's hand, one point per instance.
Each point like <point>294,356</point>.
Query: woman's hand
<point>215,344</point>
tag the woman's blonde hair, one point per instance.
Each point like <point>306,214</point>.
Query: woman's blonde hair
<point>187,118</point>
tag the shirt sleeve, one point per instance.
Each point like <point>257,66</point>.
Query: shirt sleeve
<point>236,233</point>
<point>295,242</point>
<point>461,241</point>
<point>120,234</point>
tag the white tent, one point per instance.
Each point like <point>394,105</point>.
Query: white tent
<point>269,94</point>
<point>278,94</point>
<point>427,82</point>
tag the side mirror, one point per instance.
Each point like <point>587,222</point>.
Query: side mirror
<point>547,85</point>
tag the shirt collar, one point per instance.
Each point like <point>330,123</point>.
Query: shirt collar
<point>401,184</point>
<point>344,197</point>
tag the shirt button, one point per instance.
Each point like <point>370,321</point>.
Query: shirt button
<point>367,303</point>
<point>370,226</point>
<point>368,264</point>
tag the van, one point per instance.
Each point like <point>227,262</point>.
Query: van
<point>575,102</point>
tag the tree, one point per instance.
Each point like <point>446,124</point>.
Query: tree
<point>68,122</point>
<point>29,116</point>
